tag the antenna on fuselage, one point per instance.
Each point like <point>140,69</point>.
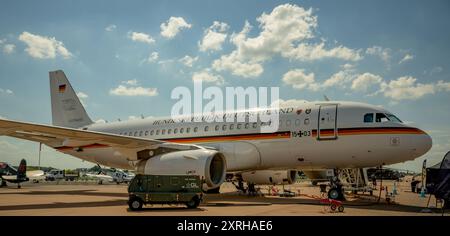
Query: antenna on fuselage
<point>326,98</point>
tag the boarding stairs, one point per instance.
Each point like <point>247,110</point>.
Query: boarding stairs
<point>355,180</point>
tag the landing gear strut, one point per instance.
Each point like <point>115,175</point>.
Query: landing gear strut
<point>336,192</point>
<point>240,186</point>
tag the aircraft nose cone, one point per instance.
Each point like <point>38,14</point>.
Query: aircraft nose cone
<point>424,143</point>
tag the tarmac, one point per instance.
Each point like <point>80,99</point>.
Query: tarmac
<point>89,198</point>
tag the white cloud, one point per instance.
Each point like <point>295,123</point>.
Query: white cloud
<point>407,57</point>
<point>165,62</point>
<point>100,121</point>
<point>7,146</point>
<point>133,82</point>
<point>153,57</point>
<point>188,60</point>
<point>207,76</point>
<point>298,79</point>
<point>134,118</point>
<point>237,67</point>
<point>43,47</point>
<point>383,53</point>
<point>364,81</point>
<point>339,79</point>
<point>213,37</point>
<point>309,52</point>
<point>284,32</point>
<point>173,26</point>
<point>2,41</point>
<point>6,91</point>
<point>443,86</point>
<point>130,89</point>
<point>82,96</point>
<point>141,37</point>
<point>348,66</point>
<point>111,27</point>
<point>406,88</point>
<point>9,48</point>
<point>436,70</point>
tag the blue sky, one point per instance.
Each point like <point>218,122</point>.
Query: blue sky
<point>389,53</point>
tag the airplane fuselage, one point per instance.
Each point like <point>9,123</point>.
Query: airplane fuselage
<point>313,135</point>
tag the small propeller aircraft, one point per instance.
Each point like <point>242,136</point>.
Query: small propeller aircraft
<point>19,175</point>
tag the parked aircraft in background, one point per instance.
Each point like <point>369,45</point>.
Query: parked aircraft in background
<point>17,176</point>
<point>112,176</point>
<point>313,135</point>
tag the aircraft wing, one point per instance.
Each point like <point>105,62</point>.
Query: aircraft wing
<point>32,175</point>
<point>62,138</point>
<point>102,177</point>
<point>9,177</point>
<point>35,174</point>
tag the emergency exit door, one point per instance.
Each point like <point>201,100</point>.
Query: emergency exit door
<point>327,125</point>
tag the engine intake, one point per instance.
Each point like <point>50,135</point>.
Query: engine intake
<point>208,164</point>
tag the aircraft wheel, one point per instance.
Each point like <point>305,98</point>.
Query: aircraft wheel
<point>2,183</point>
<point>333,207</point>
<point>18,186</point>
<point>193,203</point>
<point>341,208</point>
<point>135,204</point>
<point>334,194</point>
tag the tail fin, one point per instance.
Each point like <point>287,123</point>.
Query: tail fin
<point>67,110</point>
<point>22,170</point>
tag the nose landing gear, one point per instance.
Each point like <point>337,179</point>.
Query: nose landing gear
<point>336,192</point>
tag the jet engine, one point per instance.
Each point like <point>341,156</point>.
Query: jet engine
<point>208,164</point>
<point>270,176</point>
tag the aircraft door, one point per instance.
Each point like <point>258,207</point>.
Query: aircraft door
<point>327,124</point>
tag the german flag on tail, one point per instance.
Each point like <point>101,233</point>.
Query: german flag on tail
<point>62,88</point>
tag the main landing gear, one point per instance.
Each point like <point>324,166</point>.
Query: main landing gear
<point>240,186</point>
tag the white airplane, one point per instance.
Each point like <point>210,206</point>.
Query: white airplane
<point>17,176</point>
<point>101,177</point>
<point>314,135</point>
<point>116,176</point>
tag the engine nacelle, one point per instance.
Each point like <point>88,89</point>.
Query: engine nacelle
<point>208,164</point>
<point>270,176</point>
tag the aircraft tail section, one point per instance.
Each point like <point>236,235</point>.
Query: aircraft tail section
<point>22,170</point>
<point>67,110</point>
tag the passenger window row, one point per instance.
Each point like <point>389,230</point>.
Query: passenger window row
<point>223,127</point>
<point>183,130</point>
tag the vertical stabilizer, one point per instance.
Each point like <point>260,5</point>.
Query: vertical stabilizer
<point>67,110</point>
<point>22,170</point>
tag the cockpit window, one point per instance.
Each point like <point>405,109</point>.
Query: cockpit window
<point>381,117</point>
<point>368,118</point>
<point>393,118</point>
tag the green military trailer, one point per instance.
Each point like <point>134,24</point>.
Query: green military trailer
<point>165,189</point>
